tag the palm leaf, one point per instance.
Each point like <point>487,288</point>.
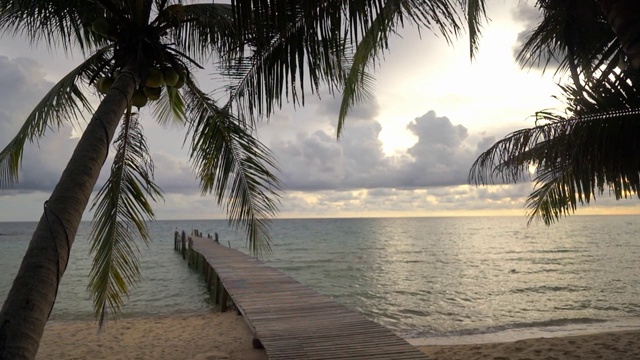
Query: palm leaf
<point>579,155</point>
<point>358,81</point>
<point>55,22</point>
<point>476,15</point>
<point>121,207</point>
<point>554,197</point>
<point>285,58</point>
<point>274,69</point>
<point>170,108</point>
<point>575,160</point>
<point>64,103</point>
<point>569,31</point>
<point>202,31</point>
<point>234,166</point>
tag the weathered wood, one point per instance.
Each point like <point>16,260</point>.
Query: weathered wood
<point>217,295</point>
<point>224,300</point>
<point>288,319</point>
<point>183,248</point>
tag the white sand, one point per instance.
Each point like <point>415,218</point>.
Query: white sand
<point>624,345</point>
<point>226,336</point>
<point>203,337</point>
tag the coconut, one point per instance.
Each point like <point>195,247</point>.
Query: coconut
<point>152,93</point>
<point>180,82</point>
<point>154,78</point>
<point>171,76</point>
<point>103,84</point>
<point>139,99</point>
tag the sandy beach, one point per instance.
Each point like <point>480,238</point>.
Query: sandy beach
<point>604,346</point>
<point>225,336</point>
<point>209,336</point>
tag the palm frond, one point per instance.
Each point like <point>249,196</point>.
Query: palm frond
<point>574,159</point>
<point>358,81</point>
<point>233,165</point>
<point>170,108</point>
<point>64,103</point>
<point>274,69</point>
<point>121,208</point>
<point>202,31</point>
<point>555,195</point>
<point>476,15</point>
<point>568,29</point>
<point>296,45</point>
<point>55,22</point>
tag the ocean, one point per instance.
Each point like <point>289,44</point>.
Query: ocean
<point>430,280</point>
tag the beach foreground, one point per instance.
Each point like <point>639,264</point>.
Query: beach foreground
<point>603,346</point>
<point>209,336</point>
<point>225,336</point>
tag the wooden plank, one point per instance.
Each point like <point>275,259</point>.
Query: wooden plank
<point>292,320</point>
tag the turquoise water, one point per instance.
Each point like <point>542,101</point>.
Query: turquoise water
<point>421,277</point>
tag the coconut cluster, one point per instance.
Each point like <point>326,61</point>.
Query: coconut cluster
<point>156,79</point>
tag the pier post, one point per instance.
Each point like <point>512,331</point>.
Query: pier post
<point>223,300</point>
<point>208,277</point>
<point>217,292</point>
<point>214,287</point>
<point>189,252</point>
<point>184,247</point>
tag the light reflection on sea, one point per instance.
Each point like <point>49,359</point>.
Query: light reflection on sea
<point>421,277</point>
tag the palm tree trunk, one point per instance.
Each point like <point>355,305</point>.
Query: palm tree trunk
<point>32,295</point>
<point>624,18</point>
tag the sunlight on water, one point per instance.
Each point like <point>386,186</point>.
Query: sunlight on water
<point>427,276</point>
<point>418,276</point>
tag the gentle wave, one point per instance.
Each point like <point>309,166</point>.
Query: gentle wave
<point>511,326</point>
<point>549,289</point>
<point>420,277</point>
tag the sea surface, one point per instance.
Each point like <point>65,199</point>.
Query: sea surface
<point>430,280</point>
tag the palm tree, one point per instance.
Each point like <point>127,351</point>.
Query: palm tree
<point>622,16</point>
<point>146,50</point>
<point>128,53</point>
<point>577,155</point>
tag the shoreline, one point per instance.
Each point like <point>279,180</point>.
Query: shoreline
<point>606,345</point>
<point>225,336</point>
<point>570,328</point>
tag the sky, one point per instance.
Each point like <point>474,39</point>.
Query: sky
<point>405,152</point>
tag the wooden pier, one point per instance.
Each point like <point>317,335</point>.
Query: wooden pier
<point>288,319</point>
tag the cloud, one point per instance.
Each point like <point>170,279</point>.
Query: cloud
<point>173,174</point>
<point>24,84</point>
<point>442,156</point>
<point>322,176</point>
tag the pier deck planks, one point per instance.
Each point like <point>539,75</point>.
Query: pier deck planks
<point>293,321</point>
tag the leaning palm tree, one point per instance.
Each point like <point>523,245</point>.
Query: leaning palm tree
<point>131,58</point>
<point>143,53</point>
<point>581,154</point>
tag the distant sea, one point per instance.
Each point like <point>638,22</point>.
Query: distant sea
<point>465,279</point>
